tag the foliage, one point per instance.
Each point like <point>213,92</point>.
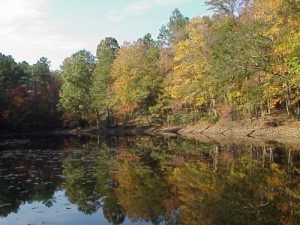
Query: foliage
<point>108,44</point>
<point>174,31</point>
<point>101,79</point>
<point>28,94</point>
<point>242,61</point>
<point>75,96</point>
<point>136,77</point>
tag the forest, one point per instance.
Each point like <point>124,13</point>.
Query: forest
<point>242,62</point>
<point>29,94</point>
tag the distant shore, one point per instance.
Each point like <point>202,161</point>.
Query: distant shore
<point>16,133</point>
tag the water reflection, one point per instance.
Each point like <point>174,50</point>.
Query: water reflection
<point>148,180</point>
<point>28,175</point>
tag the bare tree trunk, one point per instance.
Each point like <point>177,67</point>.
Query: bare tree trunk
<point>213,106</point>
<point>290,163</point>
<point>264,155</point>
<point>97,119</point>
<point>287,107</point>
<point>215,159</point>
<point>271,156</point>
<point>298,109</point>
<point>257,110</point>
<point>298,103</point>
<point>287,98</point>
<point>269,106</point>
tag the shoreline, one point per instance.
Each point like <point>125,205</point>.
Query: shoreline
<point>223,132</point>
<point>258,131</point>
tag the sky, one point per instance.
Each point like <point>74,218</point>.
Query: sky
<point>31,29</point>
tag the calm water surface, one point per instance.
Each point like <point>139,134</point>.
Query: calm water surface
<point>146,180</point>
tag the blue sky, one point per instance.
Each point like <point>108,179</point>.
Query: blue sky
<point>30,29</point>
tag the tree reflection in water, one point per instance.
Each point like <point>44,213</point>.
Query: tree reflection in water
<point>157,181</point>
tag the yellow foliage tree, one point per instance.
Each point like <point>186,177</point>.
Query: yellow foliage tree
<point>136,77</point>
<point>190,83</point>
<point>281,21</point>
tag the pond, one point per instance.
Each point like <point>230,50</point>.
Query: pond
<point>146,180</point>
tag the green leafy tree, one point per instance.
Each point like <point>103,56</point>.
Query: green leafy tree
<point>174,31</point>
<point>230,8</point>
<point>75,97</point>
<point>8,79</point>
<point>100,91</point>
<point>40,74</point>
<point>107,44</point>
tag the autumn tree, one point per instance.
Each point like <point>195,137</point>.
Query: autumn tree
<point>280,25</point>
<point>190,85</point>
<point>136,77</point>
<point>26,98</point>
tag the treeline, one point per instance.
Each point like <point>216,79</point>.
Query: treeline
<point>28,95</point>
<point>242,62</point>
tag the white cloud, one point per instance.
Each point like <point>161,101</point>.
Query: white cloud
<point>13,11</point>
<point>138,7</point>
<point>30,30</point>
<point>26,34</point>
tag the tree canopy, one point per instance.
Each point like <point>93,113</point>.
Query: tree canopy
<point>240,62</point>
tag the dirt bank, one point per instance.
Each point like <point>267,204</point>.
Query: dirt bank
<point>245,131</point>
<point>224,131</point>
